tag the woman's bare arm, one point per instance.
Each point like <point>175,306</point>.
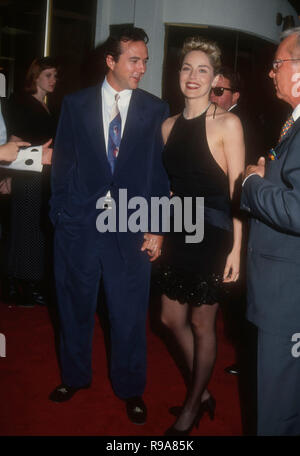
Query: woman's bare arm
<point>234,151</point>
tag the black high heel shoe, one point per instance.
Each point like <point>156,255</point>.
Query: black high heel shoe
<point>207,406</point>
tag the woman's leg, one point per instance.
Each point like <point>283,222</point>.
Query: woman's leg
<point>175,318</point>
<point>203,321</point>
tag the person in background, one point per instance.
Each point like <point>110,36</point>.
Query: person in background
<point>8,156</point>
<point>226,94</point>
<point>229,94</point>
<point>29,119</point>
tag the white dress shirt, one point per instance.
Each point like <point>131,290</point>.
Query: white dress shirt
<point>296,112</point>
<point>108,100</point>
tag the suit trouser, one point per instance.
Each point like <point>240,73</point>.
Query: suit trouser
<point>82,257</point>
<point>278,385</point>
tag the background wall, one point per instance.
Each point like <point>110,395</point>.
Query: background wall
<point>256,17</point>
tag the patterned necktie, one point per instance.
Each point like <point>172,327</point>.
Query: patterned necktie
<point>287,125</point>
<point>114,134</point>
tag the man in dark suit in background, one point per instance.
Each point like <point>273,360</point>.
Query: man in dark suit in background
<point>227,91</point>
<point>226,94</point>
<point>229,94</point>
<point>109,138</point>
<point>271,195</point>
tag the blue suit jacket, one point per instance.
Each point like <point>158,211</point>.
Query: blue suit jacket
<point>273,264</point>
<point>81,173</point>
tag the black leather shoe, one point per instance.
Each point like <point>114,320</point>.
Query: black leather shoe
<point>233,369</point>
<point>136,410</point>
<point>63,393</point>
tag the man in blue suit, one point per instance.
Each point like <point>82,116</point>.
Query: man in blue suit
<point>271,194</point>
<point>109,138</point>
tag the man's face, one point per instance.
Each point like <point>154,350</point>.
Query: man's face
<point>285,76</point>
<point>127,72</point>
<point>228,98</point>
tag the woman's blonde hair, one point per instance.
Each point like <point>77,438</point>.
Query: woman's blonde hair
<point>210,48</point>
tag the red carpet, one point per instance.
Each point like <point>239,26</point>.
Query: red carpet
<point>30,371</point>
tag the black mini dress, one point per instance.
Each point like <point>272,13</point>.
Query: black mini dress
<point>192,272</point>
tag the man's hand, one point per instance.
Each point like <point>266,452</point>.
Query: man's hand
<point>256,169</point>
<point>9,151</point>
<point>47,153</point>
<point>152,243</point>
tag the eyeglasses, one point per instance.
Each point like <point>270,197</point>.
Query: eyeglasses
<point>218,91</point>
<point>277,63</point>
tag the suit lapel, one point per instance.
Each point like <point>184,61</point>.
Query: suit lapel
<point>133,129</point>
<point>93,121</point>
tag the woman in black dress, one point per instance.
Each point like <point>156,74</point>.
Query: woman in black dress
<point>204,157</point>
<point>29,119</point>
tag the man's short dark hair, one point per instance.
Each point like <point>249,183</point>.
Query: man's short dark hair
<point>112,45</point>
<point>233,77</point>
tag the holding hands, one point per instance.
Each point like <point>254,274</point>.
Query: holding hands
<point>152,243</point>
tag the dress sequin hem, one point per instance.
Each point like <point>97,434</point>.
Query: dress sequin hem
<point>190,288</point>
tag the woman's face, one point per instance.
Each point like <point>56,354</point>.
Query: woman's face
<point>47,80</point>
<point>196,75</point>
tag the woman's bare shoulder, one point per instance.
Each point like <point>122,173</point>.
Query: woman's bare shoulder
<point>225,119</point>
<point>232,121</point>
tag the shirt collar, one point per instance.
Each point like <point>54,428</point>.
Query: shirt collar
<point>111,92</point>
<point>233,106</point>
<point>296,112</point>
